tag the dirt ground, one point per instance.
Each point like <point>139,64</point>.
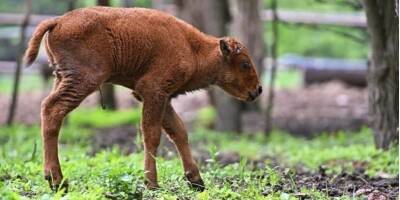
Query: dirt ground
<point>356,184</point>
<point>303,111</point>
<point>311,110</point>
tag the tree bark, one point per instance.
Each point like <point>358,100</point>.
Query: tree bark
<point>274,66</point>
<point>107,94</point>
<point>248,28</point>
<point>211,17</point>
<point>128,3</point>
<point>21,48</point>
<point>157,4</point>
<point>383,70</point>
<point>71,4</point>
<point>103,2</point>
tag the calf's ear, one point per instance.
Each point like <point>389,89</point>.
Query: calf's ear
<point>224,46</point>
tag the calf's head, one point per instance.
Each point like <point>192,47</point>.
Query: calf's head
<point>238,75</point>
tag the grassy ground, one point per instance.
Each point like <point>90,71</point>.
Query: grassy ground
<point>109,174</point>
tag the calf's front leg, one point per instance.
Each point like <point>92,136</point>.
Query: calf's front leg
<point>176,131</point>
<point>153,108</point>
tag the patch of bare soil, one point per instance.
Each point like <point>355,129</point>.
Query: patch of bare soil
<point>318,108</point>
<point>126,138</point>
<point>123,137</point>
<point>356,184</point>
<point>327,107</point>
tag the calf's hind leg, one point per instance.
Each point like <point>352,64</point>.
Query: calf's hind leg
<point>69,91</point>
<point>175,129</point>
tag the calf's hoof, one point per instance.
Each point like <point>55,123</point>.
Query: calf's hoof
<point>151,185</point>
<point>56,186</point>
<point>195,181</point>
<point>197,185</point>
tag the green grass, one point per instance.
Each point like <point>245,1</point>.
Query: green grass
<point>317,41</point>
<point>27,83</point>
<point>308,41</point>
<point>285,79</point>
<point>336,151</point>
<point>311,5</point>
<point>99,118</point>
<point>110,174</point>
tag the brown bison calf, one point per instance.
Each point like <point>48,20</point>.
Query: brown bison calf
<point>153,53</point>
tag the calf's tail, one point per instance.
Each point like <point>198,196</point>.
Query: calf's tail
<point>34,43</point>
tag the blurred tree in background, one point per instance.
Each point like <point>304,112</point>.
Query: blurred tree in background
<point>213,17</point>
<point>383,70</point>
<point>107,93</point>
<point>248,28</point>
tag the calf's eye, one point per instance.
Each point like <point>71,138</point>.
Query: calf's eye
<point>245,65</point>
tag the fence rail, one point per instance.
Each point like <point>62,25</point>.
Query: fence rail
<point>356,19</point>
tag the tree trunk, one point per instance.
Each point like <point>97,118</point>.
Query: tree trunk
<point>157,4</point>
<point>128,3</point>
<point>274,66</point>
<point>212,17</point>
<point>21,48</point>
<point>71,4</point>
<point>103,2</point>
<point>107,94</point>
<point>383,70</point>
<point>248,28</point>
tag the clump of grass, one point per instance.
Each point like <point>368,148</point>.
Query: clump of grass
<point>99,118</point>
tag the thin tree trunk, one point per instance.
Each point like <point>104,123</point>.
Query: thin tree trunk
<point>212,17</point>
<point>157,4</point>
<point>128,3</point>
<point>103,2</point>
<point>274,66</point>
<point>383,70</point>
<point>248,28</point>
<point>71,5</point>
<point>107,95</point>
<point>21,48</point>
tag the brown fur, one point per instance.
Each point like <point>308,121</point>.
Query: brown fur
<point>153,53</point>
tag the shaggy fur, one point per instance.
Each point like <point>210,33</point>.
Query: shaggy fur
<point>153,53</point>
